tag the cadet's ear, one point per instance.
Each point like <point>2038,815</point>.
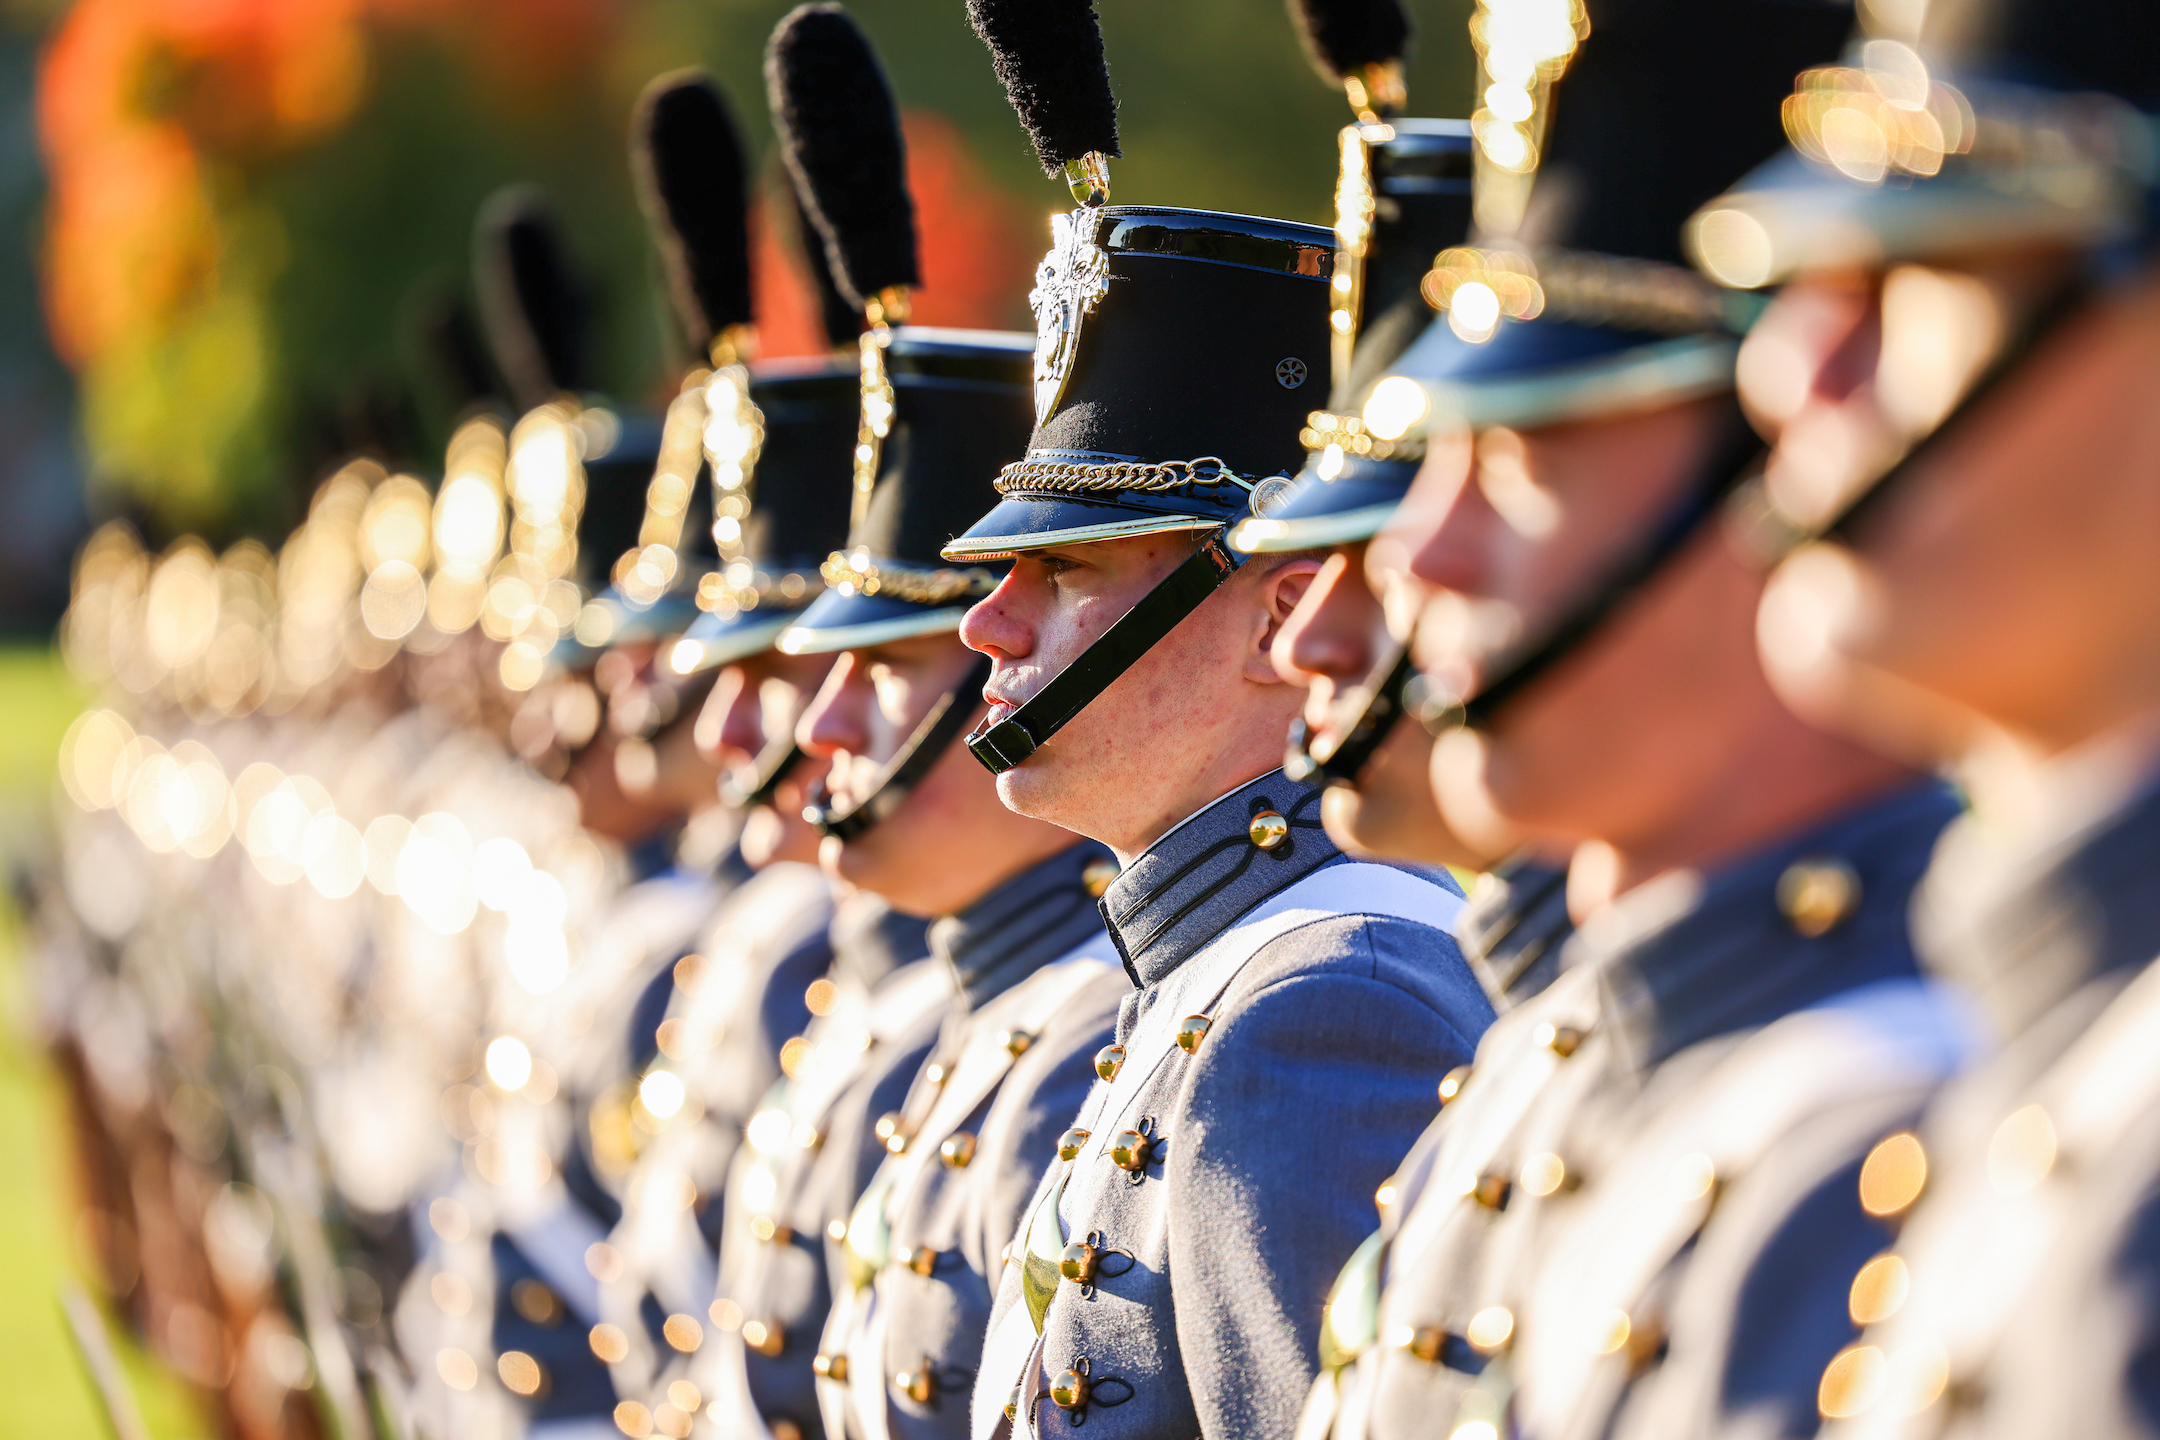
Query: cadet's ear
<point>1280,587</point>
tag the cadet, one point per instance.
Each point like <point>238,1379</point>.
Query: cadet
<point>1980,306</point>
<point>1621,1223</point>
<point>1170,1275</point>
<point>1403,196</point>
<point>906,816</point>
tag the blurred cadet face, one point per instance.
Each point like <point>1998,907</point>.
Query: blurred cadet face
<point>1640,735</point>
<point>754,704</point>
<point>951,841</point>
<point>2010,582</point>
<point>1197,716</point>
<point>1331,645</point>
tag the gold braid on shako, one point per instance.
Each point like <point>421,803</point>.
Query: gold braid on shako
<point>1073,477</point>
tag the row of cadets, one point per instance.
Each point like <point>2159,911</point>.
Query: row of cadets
<point>1650,1164</point>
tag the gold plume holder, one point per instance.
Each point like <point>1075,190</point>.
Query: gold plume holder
<point>1089,179</point>
<point>1377,92</point>
<point>889,307</point>
<point>1523,47</point>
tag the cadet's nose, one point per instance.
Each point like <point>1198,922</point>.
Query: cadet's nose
<point>838,717</point>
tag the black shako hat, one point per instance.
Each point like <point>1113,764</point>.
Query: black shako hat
<point>960,410</point>
<point>1402,195</point>
<point>1585,307</point>
<point>1176,355</point>
<point>535,316</point>
<point>1999,123</point>
<point>775,436</point>
<point>939,410</point>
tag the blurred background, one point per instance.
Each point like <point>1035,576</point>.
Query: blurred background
<point>235,246</point>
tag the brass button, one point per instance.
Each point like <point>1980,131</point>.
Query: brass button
<point>1422,1341</point>
<point>888,1127</point>
<point>1189,1032</point>
<point>1129,1150</point>
<point>1268,830</point>
<point>1016,1042</point>
<point>922,1259</point>
<point>784,1430</point>
<point>1069,1391</point>
<point>1077,1262</point>
<point>1097,876</point>
<point>934,1073</point>
<point>957,1150</point>
<point>919,1385</point>
<point>1816,893</point>
<point>1562,1040</point>
<point>767,1338</point>
<point>765,1228</point>
<point>1451,1083</point>
<point>1070,1142</point>
<point>1012,1404</point>
<point>831,1367</point>
<point>1108,1060</point>
<point>1491,1191</point>
<point>537,1303</point>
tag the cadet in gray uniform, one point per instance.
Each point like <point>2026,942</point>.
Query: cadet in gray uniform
<point>1984,581</point>
<point>1290,1010</point>
<point>1402,196</point>
<point>1739,1010</point>
<point>905,814</point>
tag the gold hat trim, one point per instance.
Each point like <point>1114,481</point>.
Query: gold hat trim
<point>859,573</point>
<point>1147,477</point>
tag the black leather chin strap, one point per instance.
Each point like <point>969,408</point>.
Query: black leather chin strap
<point>1378,705</point>
<point>932,738</point>
<point>773,765</point>
<point>1009,742</point>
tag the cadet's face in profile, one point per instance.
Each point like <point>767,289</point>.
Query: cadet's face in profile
<point>754,704</point>
<point>950,841</point>
<point>1499,537</point>
<point>1331,645</point>
<point>2012,579</point>
<point>1198,715</point>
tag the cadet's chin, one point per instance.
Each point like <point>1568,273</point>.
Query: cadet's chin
<point>1393,814</point>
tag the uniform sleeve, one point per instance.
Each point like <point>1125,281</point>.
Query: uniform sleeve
<point>1307,1092</point>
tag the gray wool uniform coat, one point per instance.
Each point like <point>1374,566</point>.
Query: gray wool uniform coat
<point>1223,1177</point>
<point>1039,986</point>
<point>807,1153</point>
<point>1637,1215</point>
<point>2027,1274</point>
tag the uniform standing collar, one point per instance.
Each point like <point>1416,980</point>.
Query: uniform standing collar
<point>870,939</point>
<point>1197,879</point>
<point>2024,930</point>
<point>1514,927</point>
<point>1687,958</point>
<point>1021,926</point>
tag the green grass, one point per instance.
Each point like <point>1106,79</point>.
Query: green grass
<point>44,1389</point>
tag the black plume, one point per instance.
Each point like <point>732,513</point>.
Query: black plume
<point>694,188</point>
<point>840,139</point>
<point>1344,36</point>
<point>1049,54</point>
<point>842,321</point>
<point>531,306</point>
